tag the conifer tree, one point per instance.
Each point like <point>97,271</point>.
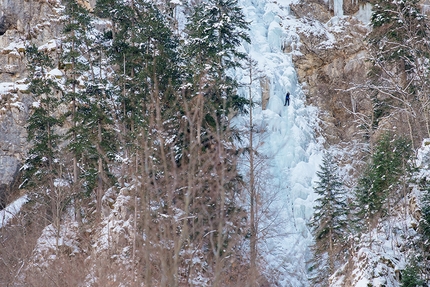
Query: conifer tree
<point>145,51</point>
<point>45,169</point>
<point>425,216</point>
<point>44,121</point>
<point>76,23</point>
<point>375,190</point>
<point>410,275</point>
<point>174,174</point>
<point>90,139</point>
<point>215,30</point>
<point>329,223</point>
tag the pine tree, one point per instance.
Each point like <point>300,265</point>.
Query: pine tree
<point>410,276</point>
<point>372,190</point>
<point>45,167</point>
<point>381,178</point>
<point>425,216</point>
<point>393,23</point>
<point>173,173</point>
<point>215,30</point>
<point>145,51</point>
<point>151,120</point>
<point>91,139</point>
<point>76,24</point>
<point>44,121</point>
<point>329,223</point>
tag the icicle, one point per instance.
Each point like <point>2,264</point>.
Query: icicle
<point>338,7</point>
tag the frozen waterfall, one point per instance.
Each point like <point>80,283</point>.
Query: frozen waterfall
<point>287,137</point>
<point>338,7</point>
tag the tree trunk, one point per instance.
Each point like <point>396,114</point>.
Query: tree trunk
<point>253,239</point>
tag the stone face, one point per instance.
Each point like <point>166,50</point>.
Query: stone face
<point>13,143</point>
<point>3,25</point>
<point>12,127</point>
<point>9,170</point>
<point>330,68</point>
<point>308,9</point>
<point>22,22</point>
<point>9,166</point>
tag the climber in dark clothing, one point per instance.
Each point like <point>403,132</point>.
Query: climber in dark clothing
<point>287,99</point>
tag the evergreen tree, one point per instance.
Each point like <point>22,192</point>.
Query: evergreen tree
<point>215,30</point>
<point>145,51</point>
<point>373,187</point>
<point>105,8</point>
<point>393,23</point>
<point>381,178</point>
<point>329,223</point>
<point>174,172</point>
<point>44,121</point>
<point>91,139</point>
<point>45,167</point>
<point>186,191</point>
<point>410,276</point>
<point>425,215</point>
<point>76,23</point>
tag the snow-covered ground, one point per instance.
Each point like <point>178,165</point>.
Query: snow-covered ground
<point>287,133</point>
<point>11,210</point>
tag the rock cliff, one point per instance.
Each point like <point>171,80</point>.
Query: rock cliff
<point>21,21</point>
<point>331,63</point>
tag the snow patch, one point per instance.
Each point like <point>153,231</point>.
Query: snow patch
<point>49,47</point>
<point>11,210</point>
<point>66,236</point>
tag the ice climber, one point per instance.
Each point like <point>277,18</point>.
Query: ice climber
<point>287,99</point>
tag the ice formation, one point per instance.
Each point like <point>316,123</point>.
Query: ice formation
<point>287,133</point>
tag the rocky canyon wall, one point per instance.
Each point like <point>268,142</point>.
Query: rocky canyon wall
<point>332,61</point>
<point>21,22</point>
